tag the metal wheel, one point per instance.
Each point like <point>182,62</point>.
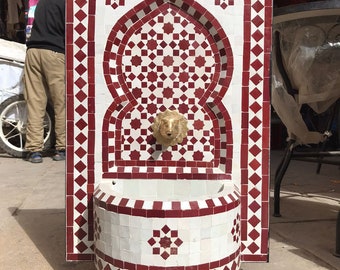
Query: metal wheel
<point>13,122</point>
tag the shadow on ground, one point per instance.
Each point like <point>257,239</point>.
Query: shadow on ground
<point>309,207</point>
<point>308,227</point>
<point>46,229</point>
<point>304,237</point>
<point>308,223</point>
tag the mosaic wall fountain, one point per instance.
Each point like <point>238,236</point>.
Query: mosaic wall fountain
<point>139,195</point>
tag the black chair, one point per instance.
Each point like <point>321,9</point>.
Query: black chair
<point>327,123</point>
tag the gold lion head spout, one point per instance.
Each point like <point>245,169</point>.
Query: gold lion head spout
<point>169,128</point>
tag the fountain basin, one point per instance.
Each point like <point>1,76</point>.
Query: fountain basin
<point>166,224</point>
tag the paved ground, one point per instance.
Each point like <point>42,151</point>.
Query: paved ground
<point>32,224</point>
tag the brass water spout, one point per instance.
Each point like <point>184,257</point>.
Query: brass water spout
<point>170,128</point>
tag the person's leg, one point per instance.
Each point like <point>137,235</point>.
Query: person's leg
<point>54,70</point>
<point>36,99</point>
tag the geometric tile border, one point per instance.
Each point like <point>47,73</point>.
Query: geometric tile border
<point>255,143</point>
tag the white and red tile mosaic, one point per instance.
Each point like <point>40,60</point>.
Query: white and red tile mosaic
<point>190,231</point>
<point>129,60</point>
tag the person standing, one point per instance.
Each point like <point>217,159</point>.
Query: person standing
<point>44,76</point>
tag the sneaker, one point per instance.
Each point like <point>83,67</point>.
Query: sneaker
<point>59,155</point>
<point>35,157</point>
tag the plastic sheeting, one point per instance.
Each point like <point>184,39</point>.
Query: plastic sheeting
<point>11,79</point>
<point>12,57</point>
<point>11,50</point>
<point>310,50</point>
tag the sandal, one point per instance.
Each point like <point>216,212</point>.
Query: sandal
<point>35,157</point>
<point>59,155</point>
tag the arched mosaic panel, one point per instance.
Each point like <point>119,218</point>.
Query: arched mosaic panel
<point>167,59</point>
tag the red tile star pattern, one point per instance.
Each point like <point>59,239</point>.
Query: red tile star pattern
<point>165,242</point>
